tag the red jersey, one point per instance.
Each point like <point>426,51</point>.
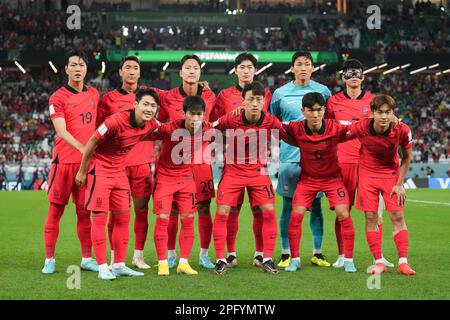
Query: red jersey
<point>318,152</point>
<point>177,155</point>
<point>79,110</point>
<point>250,141</point>
<point>119,134</point>
<point>171,103</point>
<point>379,152</point>
<point>347,110</point>
<point>230,99</point>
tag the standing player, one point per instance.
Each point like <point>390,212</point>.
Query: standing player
<point>108,187</point>
<point>379,171</point>
<point>174,182</point>
<point>318,139</point>
<point>171,104</point>
<point>228,100</point>
<point>73,109</point>
<point>138,161</point>
<point>348,106</point>
<point>245,169</point>
<point>286,105</point>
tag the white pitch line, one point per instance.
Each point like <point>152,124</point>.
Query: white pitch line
<point>429,202</point>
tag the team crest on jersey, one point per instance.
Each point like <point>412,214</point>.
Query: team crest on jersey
<point>102,129</point>
<point>365,112</point>
<point>51,109</point>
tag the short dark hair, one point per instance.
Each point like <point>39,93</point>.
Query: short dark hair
<point>255,87</point>
<point>75,53</point>
<point>381,99</point>
<point>299,54</point>
<point>190,56</point>
<point>141,92</point>
<point>129,58</point>
<point>193,104</point>
<point>311,98</point>
<point>245,56</point>
<point>352,64</point>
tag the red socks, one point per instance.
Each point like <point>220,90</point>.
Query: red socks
<point>140,228</point>
<point>232,229</point>
<point>98,236</point>
<point>172,231</point>
<point>401,239</point>
<point>220,234</point>
<point>257,231</point>
<point>51,228</point>
<point>295,233</point>
<point>269,232</point>
<point>339,239</point>
<point>160,237</point>
<point>348,234</point>
<point>373,239</point>
<point>186,239</point>
<point>205,229</point>
<point>110,230</point>
<point>380,233</point>
<point>84,231</point>
<point>120,236</point>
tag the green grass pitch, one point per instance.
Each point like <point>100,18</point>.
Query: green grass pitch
<point>22,215</point>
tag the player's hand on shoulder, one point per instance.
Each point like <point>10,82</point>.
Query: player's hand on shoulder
<point>80,179</point>
<point>399,190</point>
<point>205,85</point>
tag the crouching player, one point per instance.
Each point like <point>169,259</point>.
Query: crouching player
<point>380,172</point>
<point>175,183</point>
<point>108,188</point>
<point>318,140</point>
<point>244,168</point>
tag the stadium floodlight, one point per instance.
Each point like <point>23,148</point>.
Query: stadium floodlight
<point>406,65</point>
<point>390,70</point>
<point>267,66</point>
<point>53,67</point>
<point>433,66</point>
<point>438,73</point>
<point>103,67</point>
<point>20,67</point>
<point>381,66</point>
<point>446,71</point>
<point>0,68</point>
<point>166,65</point>
<point>370,70</point>
<point>232,70</point>
<point>418,70</point>
<point>203,64</point>
<point>287,71</point>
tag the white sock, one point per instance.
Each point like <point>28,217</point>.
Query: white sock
<point>162,261</point>
<point>138,254</point>
<point>103,268</point>
<point>118,265</point>
<point>348,259</point>
<point>379,261</point>
<point>266,259</point>
<point>224,260</point>
<point>232,254</point>
<point>341,256</point>
<point>183,260</point>
<point>402,260</point>
<point>203,252</point>
<point>112,256</point>
<point>172,253</point>
<point>258,253</point>
<point>85,260</point>
<point>296,259</point>
<point>317,251</point>
<point>286,251</point>
<point>50,259</point>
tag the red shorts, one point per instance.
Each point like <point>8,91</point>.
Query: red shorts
<point>306,191</point>
<point>62,184</point>
<point>369,189</point>
<point>140,178</point>
<point>204,181</point>
<point>181,192</point>
<point>350,174</point>
<point>232,187</point>
<point>107,193</point>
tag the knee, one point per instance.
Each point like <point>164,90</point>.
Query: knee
<point>342,212</point>
<point>398,218</point>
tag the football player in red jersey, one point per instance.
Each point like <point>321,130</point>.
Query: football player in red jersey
<point>138,161</point>
<point>108,188</point>
<point>379,170</point>
<point>73,110</point>
<point>171,108</point>
<point>348,106</point>
<point>228,100</point>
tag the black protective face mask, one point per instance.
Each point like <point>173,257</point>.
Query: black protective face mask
<point>352,73</point>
